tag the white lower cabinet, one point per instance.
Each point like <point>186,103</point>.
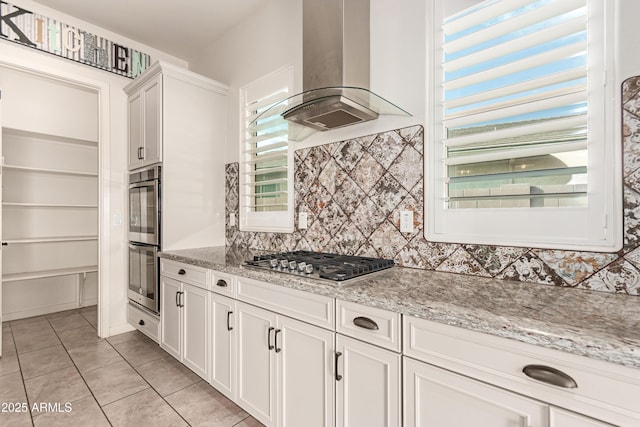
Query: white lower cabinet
<point>561,418</point>
<point>434,397</point>
<point>367,385</point>
<point>285,371</point>
<point>185,324</point>
<point>223,345</point>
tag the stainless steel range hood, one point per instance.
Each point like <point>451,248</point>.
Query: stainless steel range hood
<point>335,70</point>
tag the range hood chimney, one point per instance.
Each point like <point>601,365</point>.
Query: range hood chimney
<point>335,71</point>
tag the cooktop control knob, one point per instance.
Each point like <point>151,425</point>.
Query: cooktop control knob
<point>273,263</point>
<point>301,266</point>
<point>292,265</point>
<point>308,268</point>
<point>284,263</point>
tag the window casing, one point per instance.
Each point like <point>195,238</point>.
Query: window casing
<point>266,161</point>
<point>522,148</point>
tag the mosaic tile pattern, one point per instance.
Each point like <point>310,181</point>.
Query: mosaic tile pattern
<point>352,191</point>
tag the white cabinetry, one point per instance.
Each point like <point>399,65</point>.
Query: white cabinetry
<point>185,324</point>
<point>224,334</point>
<point>561,418</point>
<point>145,120</point>
<point>482,373</point>
<point>285,374</point>
<point>436,397</point>
<point>50,195</point>
<point>285,365</point>
<point>256,367</point>
<point>368,377</point>
<point>179,118</point>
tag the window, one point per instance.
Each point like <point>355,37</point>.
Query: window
<point>266,156</point>
<point>522,150</point>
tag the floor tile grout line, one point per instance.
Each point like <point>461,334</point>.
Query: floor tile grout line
<point>166,355</point>
<point>149,384</point>
<point>79,373</point>
<point>24,387</point>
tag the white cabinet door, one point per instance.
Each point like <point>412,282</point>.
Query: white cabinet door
<point>435,397</point>
<point>304,357</point>
<point>171,316</point>
<point>256,367</point>
<point>152,91</point>
<point>223,345</point>
<point>195,310</point>
<point>136,141</point>
<point>561,418</point>
<point>368,392</point>
<point>145,124</point>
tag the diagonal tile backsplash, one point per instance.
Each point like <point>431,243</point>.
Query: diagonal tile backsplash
<point>353,190</point>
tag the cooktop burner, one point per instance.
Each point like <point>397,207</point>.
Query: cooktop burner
<point>320,265</point>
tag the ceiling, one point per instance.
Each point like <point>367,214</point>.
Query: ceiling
<point>180,28</point>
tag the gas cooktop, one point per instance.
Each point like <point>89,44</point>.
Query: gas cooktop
<point>320,265</point>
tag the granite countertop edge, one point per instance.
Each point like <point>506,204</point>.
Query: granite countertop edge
<point>546,316</point>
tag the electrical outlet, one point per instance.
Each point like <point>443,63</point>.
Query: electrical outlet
<point>302,221</point>
<point>232,220</point>
<point>406,221</point>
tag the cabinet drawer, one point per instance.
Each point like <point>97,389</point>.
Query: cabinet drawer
<point>605,391</point>
<point>184,272</point>
<point>305,306</point>
<point>223,283</point>
<point>369,324</point>
<point>145,322</point>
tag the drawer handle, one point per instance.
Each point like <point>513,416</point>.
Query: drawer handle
<point>141,322</point>
<point>269,338</point>
<point>338,376</point>
<point>182,272</point>
<point>549,375</point>
<point>366,323</point>
<point>221,283</point>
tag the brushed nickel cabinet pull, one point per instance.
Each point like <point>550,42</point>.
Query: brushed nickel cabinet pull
<point>229,327</point>
<point>271,347</point>
<point>275,340</point>
<point>366,323</point>
<point>549,375</point>
<point>221,283</point>
<point>182,272</point>
<point>338,376</point>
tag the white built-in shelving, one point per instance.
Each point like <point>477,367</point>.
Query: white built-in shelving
<point>49,195</point>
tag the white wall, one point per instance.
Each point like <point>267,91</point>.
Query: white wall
<point>398,47</point>
<point>113,159</point>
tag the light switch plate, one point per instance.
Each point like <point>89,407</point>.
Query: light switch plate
<point>406,221</point>
<point>302,221</point>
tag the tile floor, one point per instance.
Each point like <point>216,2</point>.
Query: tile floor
<point>55,371</point>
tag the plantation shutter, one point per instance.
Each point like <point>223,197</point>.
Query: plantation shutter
<point>515,97</point>
<point>266,154</point>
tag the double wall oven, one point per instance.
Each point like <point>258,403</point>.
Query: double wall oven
<point>144,236</point>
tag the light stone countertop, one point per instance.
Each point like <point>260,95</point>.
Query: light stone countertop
<point>598,325</point>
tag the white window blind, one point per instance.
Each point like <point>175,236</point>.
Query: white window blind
<point>520,149</point>
<point>515,104</point>
<point>266,159</point>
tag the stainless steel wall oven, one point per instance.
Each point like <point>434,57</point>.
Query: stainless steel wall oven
<point>144,236</point>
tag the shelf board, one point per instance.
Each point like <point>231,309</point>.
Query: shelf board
<point>48,273</point>
<point>49,171</point>
<point>48,205</point>
<point>8,132</point>
<point>50,239</point>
